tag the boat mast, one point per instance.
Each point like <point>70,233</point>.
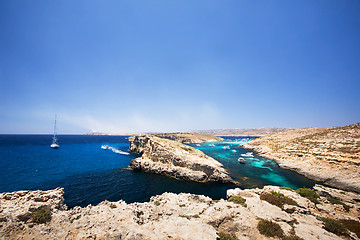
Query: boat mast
<point>54,137</point>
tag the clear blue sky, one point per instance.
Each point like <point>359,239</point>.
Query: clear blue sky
<point>134,66</point>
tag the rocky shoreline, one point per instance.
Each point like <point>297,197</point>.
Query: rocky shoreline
<point>331,155</point>
<point>181,216</point>
<point>172,158</point>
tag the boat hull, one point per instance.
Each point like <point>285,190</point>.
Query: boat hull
<point>54,146</point>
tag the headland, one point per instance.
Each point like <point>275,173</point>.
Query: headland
<point>162,155</point>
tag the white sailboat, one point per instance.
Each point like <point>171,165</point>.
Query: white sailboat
<point>54,144</point>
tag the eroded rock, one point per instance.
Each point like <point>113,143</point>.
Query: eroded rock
<point>168,157</point>
<point>168,216</point>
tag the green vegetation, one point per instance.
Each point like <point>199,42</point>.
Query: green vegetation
<point>275,146</point>
<point>185,216</point>
<point>309,194</point>
<point>333,226</point>
<point>196,216</point>
<point>182,205</point>
<point>226,236</point>
<point>277,199</point>
<point>238,200</point>
<point>352,225</point>
<point>337,201</point>
<point>270,228</point>
<point>42,215</point>
<point>156,203</point>
<point>286,188</point>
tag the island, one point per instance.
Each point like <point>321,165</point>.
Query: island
<point>165,154</point>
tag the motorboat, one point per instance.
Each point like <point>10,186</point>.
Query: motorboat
<point>105,147</point>
<point>211,145</point>
<point>241,160</point>
<point>225,147</point>
<point>248,154</point>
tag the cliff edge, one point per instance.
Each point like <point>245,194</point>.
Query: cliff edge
<point>172,158</point>
<point>330,154</point>
<point>42,215</point>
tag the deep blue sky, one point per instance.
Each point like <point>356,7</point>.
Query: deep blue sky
<point>133,66</point>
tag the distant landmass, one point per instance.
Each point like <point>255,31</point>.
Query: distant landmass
<point>217,132</point>
<point>241,131</point>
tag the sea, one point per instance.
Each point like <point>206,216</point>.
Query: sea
<point>90,174</point>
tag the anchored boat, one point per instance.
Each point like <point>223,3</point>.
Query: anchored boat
<point>241,160</point>
<point>54,143</point>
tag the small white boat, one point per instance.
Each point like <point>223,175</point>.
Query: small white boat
<point>211,145</point>
<point>248,154</point>
<point>104,147</point>
<point>241,160</point>
<point>225,147</point>
<point>198,145</point>
<point>54,144</point>
<point>234,150</point>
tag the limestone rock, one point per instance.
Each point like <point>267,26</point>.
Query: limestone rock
<point>331,154</point>
<point>166,216</point>
<point>167,157</point>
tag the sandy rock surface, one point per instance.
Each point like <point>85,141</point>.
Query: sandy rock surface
<point>173,216</point>
<point>331,155</point>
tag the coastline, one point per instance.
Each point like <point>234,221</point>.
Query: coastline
<point>298,150</point>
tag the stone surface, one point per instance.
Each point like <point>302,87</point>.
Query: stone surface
<point>331,155</point>
<point>172,158</point>
<point>169,216</point>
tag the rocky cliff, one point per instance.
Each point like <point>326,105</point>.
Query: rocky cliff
<point>326,154</point>
<point>42,215</point>
<point>172,158</point>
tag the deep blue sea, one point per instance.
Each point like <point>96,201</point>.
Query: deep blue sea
<point>90,174</point>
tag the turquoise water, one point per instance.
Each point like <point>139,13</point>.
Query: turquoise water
<point>257,171</point>
<point>90,174</point>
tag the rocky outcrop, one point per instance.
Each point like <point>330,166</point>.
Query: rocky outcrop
<point>189,138</point>
<point>167,157</point>
<point>175,216</point>
<point>331,155</point>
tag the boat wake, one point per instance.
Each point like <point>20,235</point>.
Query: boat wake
<point>118,151</point>
<point>105,147</point>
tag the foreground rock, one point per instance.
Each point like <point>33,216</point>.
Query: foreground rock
<point>173,216</point>
<point>331,155</point>
<point>167,157</point>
